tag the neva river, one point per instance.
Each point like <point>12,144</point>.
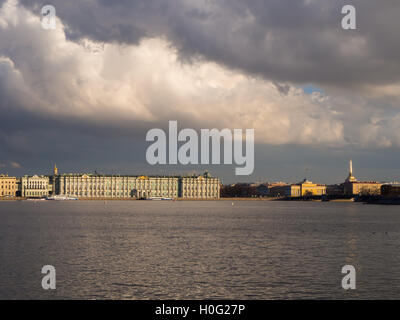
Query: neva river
<point>198,250</point>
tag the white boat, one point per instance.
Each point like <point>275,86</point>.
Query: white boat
<point>160,198</point>
<point>61,198</point>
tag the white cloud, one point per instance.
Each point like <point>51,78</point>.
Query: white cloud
<point>111,84</point>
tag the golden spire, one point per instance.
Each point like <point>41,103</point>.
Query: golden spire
<point>351,168</point>
<point>351,178</point>
<point>55,170</point>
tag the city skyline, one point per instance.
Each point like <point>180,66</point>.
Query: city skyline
<point>307,175</point>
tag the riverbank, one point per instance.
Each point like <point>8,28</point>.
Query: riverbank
<point>182,199</point>
<point>133,199</point>
<point>12,199</point>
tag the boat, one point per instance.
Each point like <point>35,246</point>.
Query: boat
<point>61,198</point>
<point>160,198</point>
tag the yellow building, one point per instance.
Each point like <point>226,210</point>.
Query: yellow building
<point>354,187</point>
<point>7,186</point>
<point>304,188</point>
<point>362,188</point>
<point>308,188</point>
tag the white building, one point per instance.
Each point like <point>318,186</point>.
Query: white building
<point>102,186</point>
<point>139,187</point>
<point>35,186</point>
<point>200,187</point>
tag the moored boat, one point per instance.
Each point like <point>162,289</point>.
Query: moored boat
<point>61,198</point>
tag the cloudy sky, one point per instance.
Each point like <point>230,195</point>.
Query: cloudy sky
<point>85,94</point>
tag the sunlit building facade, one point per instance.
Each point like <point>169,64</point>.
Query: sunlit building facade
<point>304,188</point>
<point>35,186</point>
<point>308,188</point>
<point>8,186</point>
<point>105,186</point>
<point>138,187</point>
<point>200,187</point>
<point>354,187</point>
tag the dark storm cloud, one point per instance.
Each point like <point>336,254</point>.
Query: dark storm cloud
<point>37,141</point>
<point>296,41</point>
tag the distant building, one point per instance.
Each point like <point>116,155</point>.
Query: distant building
<point>139,187</point>
<point>335,190</point>
<point>271,187</point>
<point>308,188</point>
<point>262,189</point>
<point>199,187</point>
<point>288,190</point>
<point>301,189</point>
<point>18,187</point>
<point>8,186</point>
<point>244,190</point>
<point>354,187</point>
<point>115,186</point>
<point>35,186</point>
<point>390,190</point>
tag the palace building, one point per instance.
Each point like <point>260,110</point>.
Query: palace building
<point>199,187</point>
<point>106,186</point>
<point>7,186</point>
<point>35,186</point>
<point>138,187</point>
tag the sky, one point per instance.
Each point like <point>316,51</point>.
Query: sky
<point>83,96</point>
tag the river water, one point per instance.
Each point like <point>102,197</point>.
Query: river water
<point>198,249</point>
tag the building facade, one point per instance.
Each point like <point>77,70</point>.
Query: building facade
<point>105,186</point>
<point>35,186</point>
<point>335,190</point>
<point>8,186</point>
<point>352,186</point>
<point>289,190</point>
<point>200,187</point>
<point>138,187</point>
<point>308,188</point>
<point>362,188</point>
<point>304,188</point>
<point>390,190</point>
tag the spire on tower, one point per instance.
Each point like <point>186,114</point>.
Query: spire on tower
<point>55,171</point>
<point>351,168</point>
<point>351,177</point>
